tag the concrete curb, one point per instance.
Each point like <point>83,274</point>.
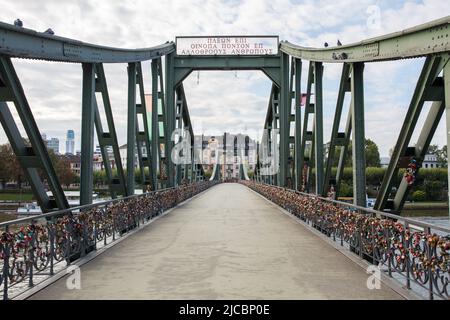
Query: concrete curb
<point>386,280</point>
<point>92,255</point>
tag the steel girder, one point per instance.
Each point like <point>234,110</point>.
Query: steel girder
<point>297,71</point>
<point>270,124</point>
<point>155,135</point>
<point>144,137</point>
<point>33,156</point>
<point>131,129</point>
<point>337,138</point>
<point>184,123</point>
<point>87,133</point>
<point>27,43</point>
<point>430,87</point>
<point>421,40</point>
<point>302,157</point>
<point>446,75</point>
<point>358,135</point>
<point>317,143</point>
<point>285,98</point>
<point>162,120</point>
<point>170,118</point>
<point>108,139</point>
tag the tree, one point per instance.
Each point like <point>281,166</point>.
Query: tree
<point>10,169</point>
<point>371,152</point>
<point>64,173</point>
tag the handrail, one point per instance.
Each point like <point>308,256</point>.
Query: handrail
<point>429,38</point>
<point>29,44</point>
<point>78,208</point>
<point>367,210</point>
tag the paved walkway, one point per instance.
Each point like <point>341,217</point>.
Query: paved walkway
<point>228,243</point>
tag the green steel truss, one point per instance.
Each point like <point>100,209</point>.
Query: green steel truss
<point>108,139</point>
<point>301,142</point>
<point>31,152</point>
<point>430,87</point>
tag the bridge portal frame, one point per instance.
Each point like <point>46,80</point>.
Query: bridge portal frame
<point>275,67</point>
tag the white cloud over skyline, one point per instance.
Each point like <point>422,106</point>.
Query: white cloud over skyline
<point>221,101</point>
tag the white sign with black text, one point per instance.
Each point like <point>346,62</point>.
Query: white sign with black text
<point>227,46</point>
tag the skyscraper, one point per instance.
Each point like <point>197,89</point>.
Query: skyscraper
<point>53,143</point>
<point>70,142</point>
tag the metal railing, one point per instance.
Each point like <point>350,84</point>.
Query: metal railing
<point>32,249</point>
<point>413,252</point>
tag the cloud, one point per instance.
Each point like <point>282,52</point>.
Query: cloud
<point>221,101</point>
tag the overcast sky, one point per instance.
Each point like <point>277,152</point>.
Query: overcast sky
<point>219,101</point>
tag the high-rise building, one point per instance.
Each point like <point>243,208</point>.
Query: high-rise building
<point>53,144</point>
<point>70,142</point>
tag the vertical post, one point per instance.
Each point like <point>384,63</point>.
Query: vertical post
<point>298,153</point>
<point>170,117</point>
<point>155,125</point>
<point>447,113</point>
<point>318,126</point>
<point>131,130</point>
<point>285,112</point>
<point>358,155</point>
<point>87,134</point>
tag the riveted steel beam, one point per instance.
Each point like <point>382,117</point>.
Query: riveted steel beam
<point>131,129</point>
<point>318,126</point>
<point>162,123</point>
<point>425,39</point>
<point>358,135</point>
<point>156,152</point>
<point>170,117</point>
<point>284,112</point>
<point>87,134</point>
<point>446,75</point>
<point>27,43</point>
<point>343,88</point>
<point>298,151</point>
<point>304,158</point>
<point>143,137</point>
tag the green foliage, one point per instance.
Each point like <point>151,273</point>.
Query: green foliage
<point>433,190</point>
<point>371,152</point>
<point>346,190</point>
<point>374,175</point>
<point>419,195</point>
<point>208,174</point>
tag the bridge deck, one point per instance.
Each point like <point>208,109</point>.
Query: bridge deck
<point>228,243</point>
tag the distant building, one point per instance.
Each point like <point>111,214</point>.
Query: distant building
<point>70,142</point>
<point>74,162</point>
<point>212,153</point>
<point>53,144</point>
<point>124,155</point>
<point>430,161</point>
